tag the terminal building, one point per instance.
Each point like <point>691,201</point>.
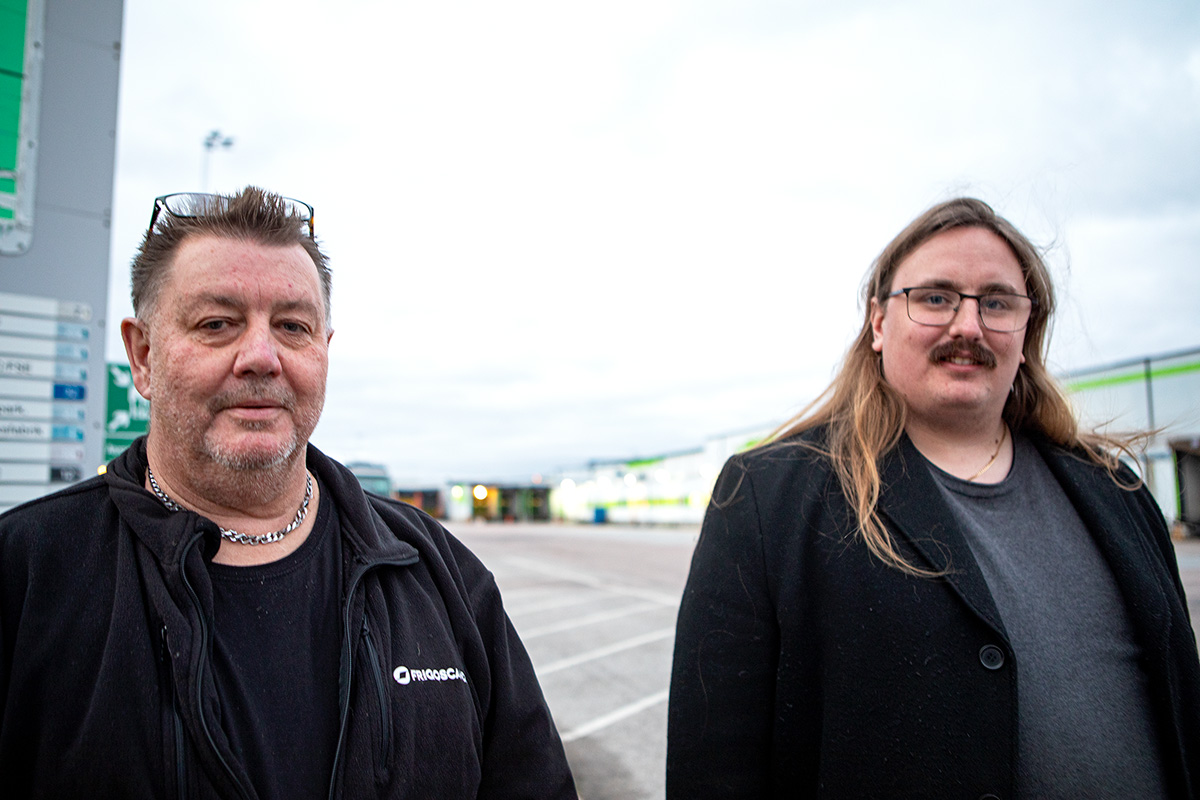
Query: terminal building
<point>668,489</point>
<point>492,501</point>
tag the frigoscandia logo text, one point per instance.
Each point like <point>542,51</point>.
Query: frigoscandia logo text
<point>405,676</point>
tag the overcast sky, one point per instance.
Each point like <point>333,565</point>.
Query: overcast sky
<point>564,231</point>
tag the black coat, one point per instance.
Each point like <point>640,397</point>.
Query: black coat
<point>805,667</point>
<point>106,683</point>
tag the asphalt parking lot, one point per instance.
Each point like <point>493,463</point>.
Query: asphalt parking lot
<point>596,606</point>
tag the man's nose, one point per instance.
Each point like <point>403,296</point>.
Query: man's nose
<point>258,351</point>
<point>967,321</point>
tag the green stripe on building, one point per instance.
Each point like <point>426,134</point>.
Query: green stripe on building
<point>1133,377</point>
<point>651,501</point>
<point>640,463</point>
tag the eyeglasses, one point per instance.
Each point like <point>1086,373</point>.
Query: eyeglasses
<point>1002,312</point>
<point>198,204</point>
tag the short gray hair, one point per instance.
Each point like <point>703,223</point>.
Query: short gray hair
<point>252,214</point>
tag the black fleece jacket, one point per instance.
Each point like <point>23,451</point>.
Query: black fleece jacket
<point>106,686</point>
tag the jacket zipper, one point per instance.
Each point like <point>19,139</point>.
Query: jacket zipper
<point>180,761</point>
<point>381,692</point>
<point>176,721</point>
<point>204,645</point>
<point>344,699</point>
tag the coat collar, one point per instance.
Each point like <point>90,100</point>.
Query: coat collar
<point>909,498</point>
<point>166,532</point>
<point>366,533</point>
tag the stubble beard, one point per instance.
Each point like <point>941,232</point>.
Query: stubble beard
<point>241,470</point>
<point>253,461</point>
<point>229,455</point>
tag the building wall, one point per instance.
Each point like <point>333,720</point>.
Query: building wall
<point>672,489</point>
<point>1159,393</point>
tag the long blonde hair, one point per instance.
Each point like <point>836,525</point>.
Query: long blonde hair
<point>865,417</point>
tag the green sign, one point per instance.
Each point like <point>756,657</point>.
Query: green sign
<point>128,412</point>
<point>20,93</point>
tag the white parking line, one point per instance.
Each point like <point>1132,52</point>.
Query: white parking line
<point>562,573</point>
<point>615,716</point>
<point>607,650</point>
<point>590,619</point>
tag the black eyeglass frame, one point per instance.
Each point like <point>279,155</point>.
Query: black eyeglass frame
<point>964,296</point>
<point>162,202</point>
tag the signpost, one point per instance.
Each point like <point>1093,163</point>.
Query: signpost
<point>128,412</point>
<point>59,69</point>
<point>44,349</point>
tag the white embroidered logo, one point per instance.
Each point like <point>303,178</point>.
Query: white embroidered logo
<point>405,676</point>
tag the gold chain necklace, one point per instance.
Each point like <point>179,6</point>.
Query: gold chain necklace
<point>995,455</point>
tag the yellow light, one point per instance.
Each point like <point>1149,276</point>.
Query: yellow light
<point>457,492</point>
<point>480,492</point>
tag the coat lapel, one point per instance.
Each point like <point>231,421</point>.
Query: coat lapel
<point>911,501</point>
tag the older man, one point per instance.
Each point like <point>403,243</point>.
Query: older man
<point>931,583</point>
<point>225,613</point>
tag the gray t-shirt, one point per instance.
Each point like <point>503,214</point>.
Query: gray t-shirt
<point>1085,724</point>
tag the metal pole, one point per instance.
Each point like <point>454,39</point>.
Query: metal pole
<point>1149,473</point>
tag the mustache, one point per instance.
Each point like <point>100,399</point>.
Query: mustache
<point>253,391</point>
<point>961,346</point>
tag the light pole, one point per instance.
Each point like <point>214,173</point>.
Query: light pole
<point>213,140</point>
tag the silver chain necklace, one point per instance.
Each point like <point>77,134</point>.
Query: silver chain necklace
<point>232,535</point>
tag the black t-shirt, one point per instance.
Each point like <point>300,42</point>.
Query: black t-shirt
<point>277,640</point>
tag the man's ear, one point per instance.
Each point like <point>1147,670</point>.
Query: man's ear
<point>876,325</point>
<point>136,336</point>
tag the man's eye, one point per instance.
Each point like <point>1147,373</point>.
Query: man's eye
<point>294,327</point>
<point>935,299</point>
<point>997,302</point>
<point>214,325</point>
